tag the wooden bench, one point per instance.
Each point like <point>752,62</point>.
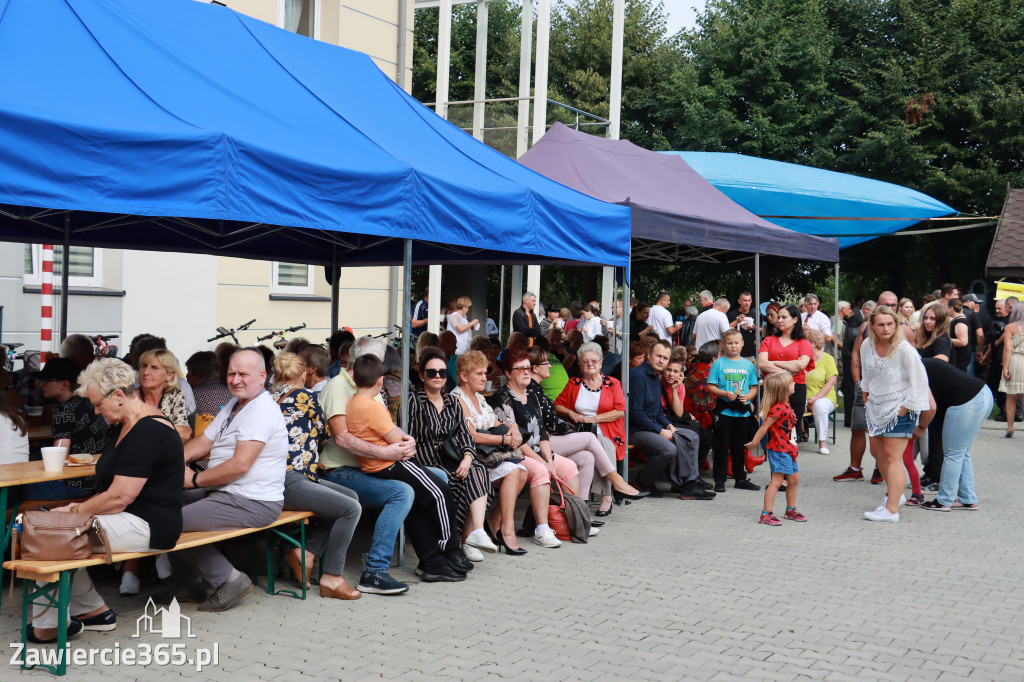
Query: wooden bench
<point>58,574</point>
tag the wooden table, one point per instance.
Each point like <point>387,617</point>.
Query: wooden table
<point>23,473</point>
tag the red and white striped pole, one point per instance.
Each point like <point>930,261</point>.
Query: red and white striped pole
<point>46,328</point>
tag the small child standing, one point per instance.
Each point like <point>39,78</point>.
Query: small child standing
<point>779,421</point>
<point>430,523</point>
<point>732,381</point>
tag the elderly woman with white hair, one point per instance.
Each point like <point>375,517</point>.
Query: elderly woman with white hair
<point>139,482</point>
<point>595,403</point>
<point>821,387</point>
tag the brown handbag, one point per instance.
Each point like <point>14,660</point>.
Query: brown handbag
<point>58,536</point>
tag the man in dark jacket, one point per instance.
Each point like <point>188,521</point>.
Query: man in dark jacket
<point>524,320</point>
<point>668,450</point>
<point>853,320</point>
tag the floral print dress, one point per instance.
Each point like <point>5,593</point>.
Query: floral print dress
<point>304,420</point>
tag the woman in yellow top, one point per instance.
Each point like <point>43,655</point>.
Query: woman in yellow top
<point>821,386</point>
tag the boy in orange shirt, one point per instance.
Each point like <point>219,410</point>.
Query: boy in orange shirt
<point>430,523</point>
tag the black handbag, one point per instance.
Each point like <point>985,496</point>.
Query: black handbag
<point>450,453</point>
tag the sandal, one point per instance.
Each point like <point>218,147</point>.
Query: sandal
<point>960,506</point>
<point>915,500</point>
<point>935,505</point>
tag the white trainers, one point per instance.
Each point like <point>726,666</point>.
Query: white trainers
<point>472,553</point>
<point>882,514</point>
<point>546,538</point>
<point>594,531</point>
<point>479,540</point>
<point>824,451</point>
<point>129,583</point>
<point>903,500</point>
<point>163,567</point>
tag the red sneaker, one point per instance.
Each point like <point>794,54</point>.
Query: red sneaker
<point>769,519</point>
<point>876,476</point>
<point>850,474</point>
<point>794,515</point>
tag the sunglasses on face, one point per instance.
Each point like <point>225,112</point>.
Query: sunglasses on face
<point>434,373</point>
<point>521,369</point>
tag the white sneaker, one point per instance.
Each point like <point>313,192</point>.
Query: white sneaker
<point>882,514</point>
<point>903,500</point>
<point>479,540</point>
<point>472,553</point>
<point>129,583</point>
<point>546,538</point>
<point>824,451</point>
<point>163,567</point>
<point>594,531</point>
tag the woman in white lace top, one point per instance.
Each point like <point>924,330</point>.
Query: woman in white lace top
<point>895,387</point>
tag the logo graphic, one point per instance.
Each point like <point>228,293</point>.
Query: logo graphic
<point>166,622</point>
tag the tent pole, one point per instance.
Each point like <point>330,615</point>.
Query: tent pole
<point>65,274</point>
<point>392,299</point>
<point>406,330</point>
<point>835,311</point>
<point>757,318</point>
<point>334,289</point>
<point>501,303</point>
<point>625,366</point>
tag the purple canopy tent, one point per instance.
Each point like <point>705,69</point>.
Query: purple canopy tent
<point>677,215</point>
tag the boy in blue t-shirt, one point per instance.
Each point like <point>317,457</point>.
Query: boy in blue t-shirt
<point>734,381</point>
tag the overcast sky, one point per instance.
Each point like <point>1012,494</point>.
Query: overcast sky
<point>681,13</point>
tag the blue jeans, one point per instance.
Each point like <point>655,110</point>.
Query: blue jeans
<point>55,490</point>
<point>961,427</point>
<point>393,498</point>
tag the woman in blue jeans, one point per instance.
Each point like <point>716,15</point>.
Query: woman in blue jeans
<point>965,401</point>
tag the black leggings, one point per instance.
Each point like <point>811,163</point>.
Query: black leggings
<point>731,434</point>
<point>431,522</point>
<point>798,401</point>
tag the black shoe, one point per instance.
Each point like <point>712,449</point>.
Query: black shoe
<point>618,497</point>
<point>457,560</point>
<point>606,512</point>
<point>595,523</point>
<point>1001,417</point>
<point>719,487</point>
<point>696,494</point>
<point>442,574</point>
<point>104,622</point>
<point>705,485</point>
<point>745,484</point>
<point>782,488</point>
<point>925,481</point>
<point>75,628</point>
<point>380,583</point>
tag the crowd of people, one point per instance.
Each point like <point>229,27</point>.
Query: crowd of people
<point>247,432</point>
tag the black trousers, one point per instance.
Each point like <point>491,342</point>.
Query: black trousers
<point>933,467</point>
<point>847,388</point>
<point>731,434</point>
<point>431,521</point>
<point>798,401</point>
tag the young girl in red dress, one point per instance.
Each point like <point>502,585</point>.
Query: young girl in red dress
<point>779,420</point>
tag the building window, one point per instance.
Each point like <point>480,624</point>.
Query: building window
<point>292,278</point>
<point>298,16</point>
<point>85,271</point>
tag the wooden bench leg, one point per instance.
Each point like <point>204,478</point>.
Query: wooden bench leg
<point>274,537</point>
<point>33,594</point>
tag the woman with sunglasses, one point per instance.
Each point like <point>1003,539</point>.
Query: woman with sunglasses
<point>434,416</point>
<point>515,403</point>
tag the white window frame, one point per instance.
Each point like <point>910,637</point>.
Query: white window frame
<point>36,278</point>
<point>277,288</point>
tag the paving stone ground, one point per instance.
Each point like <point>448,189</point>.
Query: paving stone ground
<point>670,590</point>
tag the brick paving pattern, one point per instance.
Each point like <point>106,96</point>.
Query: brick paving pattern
<point>670,590</point>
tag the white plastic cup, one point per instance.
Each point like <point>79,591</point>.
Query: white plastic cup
<point>34,411</point>
<point>489,386</point>
<point>53,459</point>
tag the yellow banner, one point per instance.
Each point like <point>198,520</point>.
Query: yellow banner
<point>1004,289</point>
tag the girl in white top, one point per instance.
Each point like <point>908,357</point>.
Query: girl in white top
<point>460,326</point>
<point>895,387</point>
<point>590,325</point>
<point>13,435</point>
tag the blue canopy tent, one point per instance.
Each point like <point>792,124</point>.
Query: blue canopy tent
<point>173,125</point>
<point>814,201</point>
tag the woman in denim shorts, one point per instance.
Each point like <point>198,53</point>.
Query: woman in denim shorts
<point>895,387</point>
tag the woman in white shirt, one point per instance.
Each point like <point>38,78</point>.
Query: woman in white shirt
<point>460,326</point>
<point>591,324</point>
<point>895,387</point>
<point>13,433</point>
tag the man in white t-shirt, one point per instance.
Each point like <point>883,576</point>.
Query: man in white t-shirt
<point>712,322</point>
<point>661,318</point>
<point>243,487</point>
<point>815,319</point>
